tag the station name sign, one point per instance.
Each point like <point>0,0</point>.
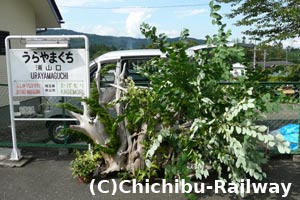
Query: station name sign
<point>48,72</point>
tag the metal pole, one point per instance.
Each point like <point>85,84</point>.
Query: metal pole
<point>15,154</point>
<point>86,42</point>
<point>298,149</point>
<point>265,58</point>
<point>254,56</point>
<point>286,59</point>
<point>64,116</point>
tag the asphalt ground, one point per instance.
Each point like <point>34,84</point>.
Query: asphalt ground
<point>48,176</point>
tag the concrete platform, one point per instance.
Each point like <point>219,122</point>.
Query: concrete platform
<point>6,162</point>
<point>49,176</point>
<point>4,153</point>
<point>15,163</point>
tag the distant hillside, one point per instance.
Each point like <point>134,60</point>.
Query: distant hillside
<point>111,41</point>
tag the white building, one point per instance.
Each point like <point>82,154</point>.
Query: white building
<point>23,17</point>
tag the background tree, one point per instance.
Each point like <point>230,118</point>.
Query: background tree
<point>272,19</point>
<point>190,43</point>
<point>293,73</point>
<point>97,50</point>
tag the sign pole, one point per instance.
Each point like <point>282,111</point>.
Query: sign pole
<point>15,154</point>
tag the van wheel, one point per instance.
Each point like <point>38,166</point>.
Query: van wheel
<point>55,132</point>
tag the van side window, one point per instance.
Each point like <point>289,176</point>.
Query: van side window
<point>132,64</point>
<point>107,78</point>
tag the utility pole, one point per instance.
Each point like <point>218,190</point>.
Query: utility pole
<point>265,58</point>
<point>254,56</point>
<point>286,56</point>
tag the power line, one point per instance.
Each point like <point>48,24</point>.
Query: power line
<point>119,7</point>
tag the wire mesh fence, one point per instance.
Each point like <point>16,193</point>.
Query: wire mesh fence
<point>285,119</point>
<point>286,114</point>
<point>34,130</point>
<point>39,121</point>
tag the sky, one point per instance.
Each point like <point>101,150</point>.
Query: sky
<point>124,17</point>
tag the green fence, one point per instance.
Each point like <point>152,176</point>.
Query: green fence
<point>40,133</point>
<point>287,114</point>
<point>32,129</point>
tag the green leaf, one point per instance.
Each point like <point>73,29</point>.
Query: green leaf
<point>279,138</point>
<point>281,149</point>
<point>271,144</point>
<point>207,100</point>
<point>211,4</point>
<point>214,22</point>
<point>250,91</point>
<point>148,163</point>
<point>250,105</point>
<point>238,129</point>
<point>260,136</point>
<point>262,128</point>
<point>216,16</point>
<point>138,118</point>
<point>159,138</point>
<point>216,8</point>
<point>252,133</point>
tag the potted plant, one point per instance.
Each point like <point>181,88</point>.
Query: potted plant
<point>84,165</point>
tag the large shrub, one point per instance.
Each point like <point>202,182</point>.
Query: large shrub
<point>186,121</point>
<point>194,120</point>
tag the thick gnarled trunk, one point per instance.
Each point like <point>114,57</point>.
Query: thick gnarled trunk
<point>129,156</point>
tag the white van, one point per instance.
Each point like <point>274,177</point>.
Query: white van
<point>132,59</point>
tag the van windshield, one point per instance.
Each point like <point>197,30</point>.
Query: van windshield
<point>132,64</point>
